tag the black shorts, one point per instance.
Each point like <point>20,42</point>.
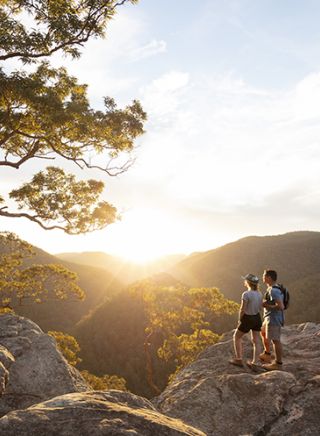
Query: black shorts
<point>250,322</point>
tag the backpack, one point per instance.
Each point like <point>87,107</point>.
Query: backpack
<point>286,295</point>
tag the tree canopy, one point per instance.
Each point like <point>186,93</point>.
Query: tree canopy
<point>150,331</point>
<point>70,349</point>
<point>179,316</point>
<point>68,346</point>
<point>20,280</point>
<point>45,114</point>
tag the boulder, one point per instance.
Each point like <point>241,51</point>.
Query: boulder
<point>6,360</point>
<point>95,414</point>
<point>31,368</point>
<point>221,399</point>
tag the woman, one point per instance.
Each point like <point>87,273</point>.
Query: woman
<point>249,320</point>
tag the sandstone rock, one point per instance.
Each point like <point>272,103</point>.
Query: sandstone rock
<point>4,377</point>
<point>37,370</point>
<point>95,414</point>
<point>209,397</point>
<point>221,399</point>
<point>6,360</point>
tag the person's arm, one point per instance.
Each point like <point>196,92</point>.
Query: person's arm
<point>242,308</point>
<point>278,303</point>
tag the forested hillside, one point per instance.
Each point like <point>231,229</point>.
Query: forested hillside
<point>97,283</point>
<point>147,331</point>
<point>111,341</point>
<point>296,257</point>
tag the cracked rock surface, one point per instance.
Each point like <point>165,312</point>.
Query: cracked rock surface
<point>31,367</point>
<point>221,399</point>
<point>95,414</point>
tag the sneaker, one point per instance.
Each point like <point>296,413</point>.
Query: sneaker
<point>267,358</point>
<point>274,366</point>
<point>236,362</point>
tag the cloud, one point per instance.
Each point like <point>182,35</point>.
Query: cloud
<point>162,97</point>
<point>221,144</point>
<point>307,98</point>
<point>151,49</point>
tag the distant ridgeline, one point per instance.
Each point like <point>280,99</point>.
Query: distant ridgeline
<point>295,256</point>
<point>123,270</point>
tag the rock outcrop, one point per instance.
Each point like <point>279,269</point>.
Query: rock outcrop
<point>42,394</point>
<point>31,368</point>
<point>6,360</point>
<point>221,399</point>
<point>94,414</point>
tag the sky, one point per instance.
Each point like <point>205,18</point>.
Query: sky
<point>231,149</point>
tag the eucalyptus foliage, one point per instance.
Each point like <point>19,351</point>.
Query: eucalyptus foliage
<point>179,318</point>
<point>45,114</point>
<point>22,281</point>
<point>105,382</point>
<point>70,349</point>
<point>68,346</point>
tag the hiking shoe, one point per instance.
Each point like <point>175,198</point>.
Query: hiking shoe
<point>267,358</point>
<point>274,366</point>
<point>236,362</point>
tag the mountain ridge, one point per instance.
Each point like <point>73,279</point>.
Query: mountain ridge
<point>126,270</point>
<point>294,255</point>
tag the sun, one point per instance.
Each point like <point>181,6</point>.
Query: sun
<point>143,235</point>
<point>145,254</point>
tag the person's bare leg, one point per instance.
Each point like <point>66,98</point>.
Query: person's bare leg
<point>278,350</point>
<point>265,341</point>
<point>256,342</point>
<point>237,343</point>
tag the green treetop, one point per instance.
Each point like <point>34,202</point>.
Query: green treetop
<point>45,114</point>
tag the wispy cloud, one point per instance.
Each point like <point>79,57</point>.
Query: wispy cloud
<point>220,143</point>
<point>153,48</point>
<point>163,95</point>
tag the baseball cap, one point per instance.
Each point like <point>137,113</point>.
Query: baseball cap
<point>251,278</point>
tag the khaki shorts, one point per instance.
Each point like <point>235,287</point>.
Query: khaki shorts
<point>272,332</point>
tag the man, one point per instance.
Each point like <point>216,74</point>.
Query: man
<point>273,321</point>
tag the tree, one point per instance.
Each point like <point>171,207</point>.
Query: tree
<point>68,346</point>
<point>70,349</point>
<point>45,114</point>
<point>104,383</point>
<point>179,315</point>
<point>20,281</point>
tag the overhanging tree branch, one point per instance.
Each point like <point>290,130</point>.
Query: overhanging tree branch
<point>30,218</point>
<point>93,25</point>
<point>45,114</point>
